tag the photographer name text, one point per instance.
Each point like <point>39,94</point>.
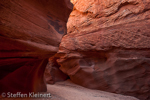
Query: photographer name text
<point>25,95</point>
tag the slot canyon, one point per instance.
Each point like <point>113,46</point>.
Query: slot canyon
<point>75,49</point>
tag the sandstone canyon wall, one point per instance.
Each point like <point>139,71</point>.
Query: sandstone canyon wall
<point>30,33</point>
<point>107,46</point>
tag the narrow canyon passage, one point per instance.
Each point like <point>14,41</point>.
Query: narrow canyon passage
<point>102,45</point>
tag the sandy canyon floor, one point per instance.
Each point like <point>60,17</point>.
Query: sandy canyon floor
<point>69,91</point>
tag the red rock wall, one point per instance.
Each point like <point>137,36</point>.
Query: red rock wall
<point>52,72</point>
<point>30,33</point>
<point>107,46</point>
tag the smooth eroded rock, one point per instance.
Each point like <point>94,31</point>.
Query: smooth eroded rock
<point>30,33</point>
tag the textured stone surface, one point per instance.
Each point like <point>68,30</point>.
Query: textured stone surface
<point>108,46</point>
<point>30,33</point>
<point>52,72</point>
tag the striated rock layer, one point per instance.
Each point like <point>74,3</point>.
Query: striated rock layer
<point>30,33</point>
<point>108,46</point>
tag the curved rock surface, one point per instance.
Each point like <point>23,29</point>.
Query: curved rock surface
<point>108,46</point>
<point>52,72</point>
<point>30,33</point>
